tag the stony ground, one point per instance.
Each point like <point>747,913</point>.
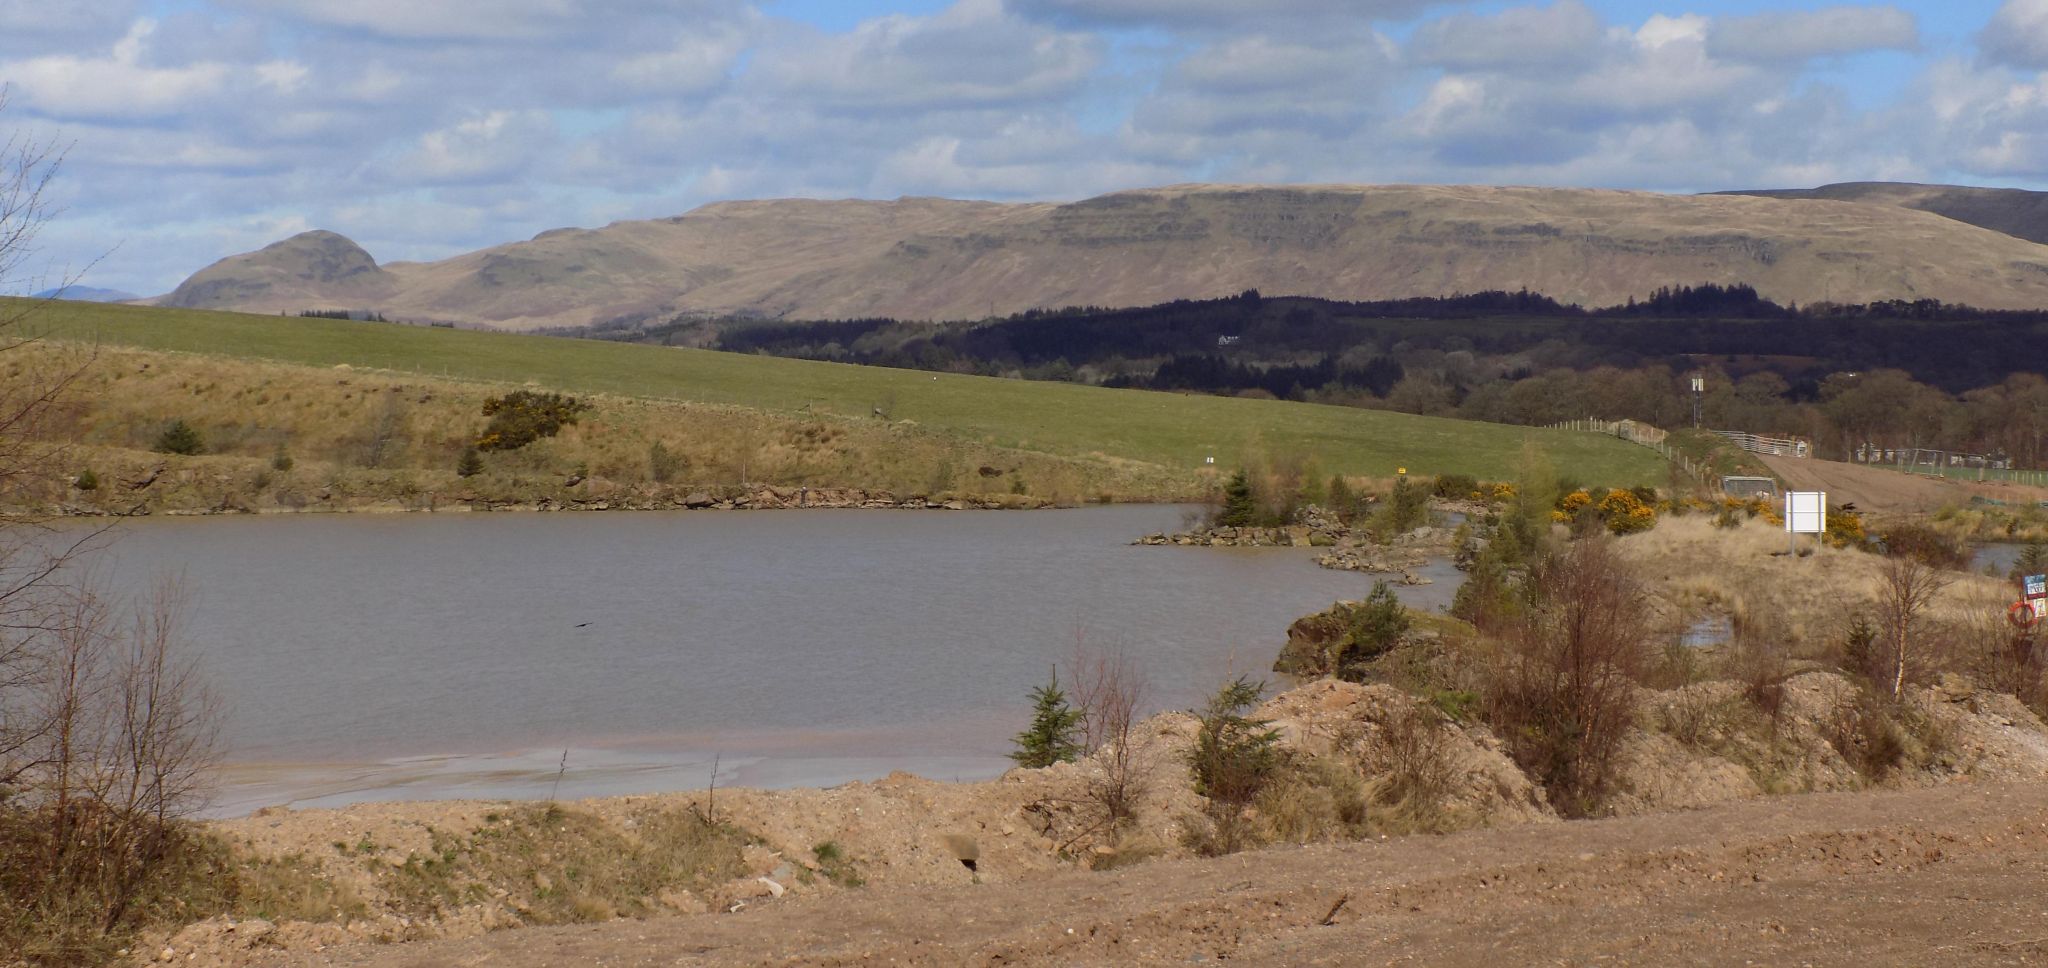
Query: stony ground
<point>1956,875</point>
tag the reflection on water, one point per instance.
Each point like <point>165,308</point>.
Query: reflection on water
<point>1708,631</point>
<point>367,657</point>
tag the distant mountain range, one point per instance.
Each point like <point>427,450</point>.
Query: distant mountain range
<point>86,294</point>
<point>2016,212</point>
<point>937,259</point>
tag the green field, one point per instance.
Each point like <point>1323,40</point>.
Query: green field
<point>1169,429</point>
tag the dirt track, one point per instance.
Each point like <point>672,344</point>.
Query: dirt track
<point>1880,489</point>
<point>1956,875</point>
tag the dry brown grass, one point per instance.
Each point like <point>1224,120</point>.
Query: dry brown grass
<point>1694,567</point>
<point>555,865</point>
<point>396,437</point>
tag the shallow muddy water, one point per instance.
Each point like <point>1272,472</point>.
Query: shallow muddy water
<point>369,657</point>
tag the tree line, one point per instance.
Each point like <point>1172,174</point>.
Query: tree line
<point>1890,374</point>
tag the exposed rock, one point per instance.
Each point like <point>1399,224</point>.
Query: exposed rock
<point>146,480</point>
<point>683,901</point>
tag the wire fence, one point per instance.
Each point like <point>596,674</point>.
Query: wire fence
<point>1643,434</point>
<point>1950,464</point>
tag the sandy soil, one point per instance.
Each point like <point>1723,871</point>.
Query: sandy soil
<point>1879,489</point>
<point>1956,875</point>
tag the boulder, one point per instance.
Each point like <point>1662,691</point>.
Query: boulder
<point>698,499</point>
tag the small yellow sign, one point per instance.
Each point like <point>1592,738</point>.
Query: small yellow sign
<point>1403,471</point>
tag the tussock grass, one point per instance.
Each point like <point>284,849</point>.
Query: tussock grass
<point>555,865</point>
<point>1171,430</point>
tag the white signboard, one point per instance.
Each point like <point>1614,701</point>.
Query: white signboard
<point>1806,512</point>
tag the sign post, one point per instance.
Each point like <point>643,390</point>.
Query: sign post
<point>1806,512</point>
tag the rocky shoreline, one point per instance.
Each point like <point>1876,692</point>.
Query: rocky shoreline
<point>1348,548</point>
<point>756,498</point>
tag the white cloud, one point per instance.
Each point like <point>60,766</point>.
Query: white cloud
<point>1804,35</point>
<point>974,53</point>
<point>2018,34</point>
<point>1563,34</point>
<point>33,25</point>
<point>1244,96</point>
<point>485,20</point>
<point>114,85</point>
<point>282,76</point>
<point>1663,31</point>
<point>1261,14</point>
<point>485,148</point>
<point>692,63</point>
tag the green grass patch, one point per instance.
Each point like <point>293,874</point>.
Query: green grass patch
<point>1717,454</point>
<point>1168,429</point>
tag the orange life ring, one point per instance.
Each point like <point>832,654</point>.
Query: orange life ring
<point>2023,615</point>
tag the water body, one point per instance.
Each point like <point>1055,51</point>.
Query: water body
<point>2001,556</point>
<point>368,657</point>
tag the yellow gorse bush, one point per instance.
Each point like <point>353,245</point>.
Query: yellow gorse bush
<point>1626,513</point>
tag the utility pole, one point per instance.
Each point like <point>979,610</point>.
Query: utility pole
<point>1699,386</point>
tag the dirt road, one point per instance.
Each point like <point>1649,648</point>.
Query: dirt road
<point>1955,876</point>
<point>1881,489</point>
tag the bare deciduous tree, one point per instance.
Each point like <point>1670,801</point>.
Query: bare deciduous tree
<point>106,732</point>
<point>1908,586</point>
<point>1109,690</point>
<point>27,167</point>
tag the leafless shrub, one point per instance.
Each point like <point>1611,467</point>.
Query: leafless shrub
<point>1420,763</point>
<point>2011,660</point>
<point>1563,693</point>
<point>1109,690</point>
<point>1689,715</point>
<point>1759,660</point>
<point>114,734</point>
<point>384,434</point>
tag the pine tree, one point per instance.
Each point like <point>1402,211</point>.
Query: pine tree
<point>2033,560</point>
<point>1240,508</point>
<point>470,464</point>
<point>180,438</point>
<point>1376,625</point>
<point>1054,735</point>
<point>1341,501</point>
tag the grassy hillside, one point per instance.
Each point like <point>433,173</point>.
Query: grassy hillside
<point>1171,430</point>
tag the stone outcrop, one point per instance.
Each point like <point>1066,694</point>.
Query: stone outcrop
<point>1349,548</point>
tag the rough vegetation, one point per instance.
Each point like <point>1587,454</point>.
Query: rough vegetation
<point>961,421</point>
<point>280,437</point>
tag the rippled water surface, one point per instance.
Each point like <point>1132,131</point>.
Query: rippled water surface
<point>367,657</point>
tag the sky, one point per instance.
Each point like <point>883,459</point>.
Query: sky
<point>195,129</point>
